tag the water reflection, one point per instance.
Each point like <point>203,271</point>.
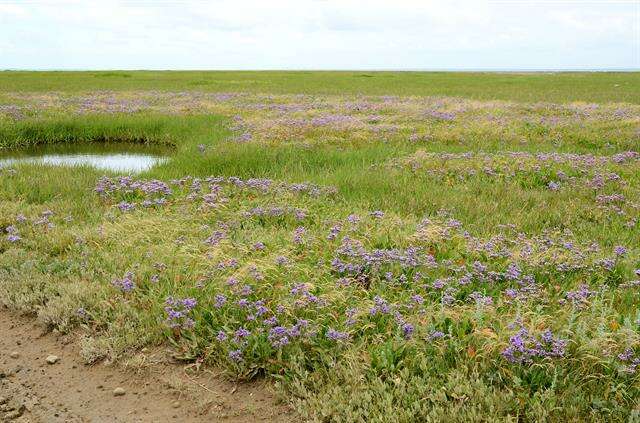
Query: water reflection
<point>120,157</point>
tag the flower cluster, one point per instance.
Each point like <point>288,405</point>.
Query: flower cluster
<point>124,284</point>
<point>178,310</point>
<point>523,347</point>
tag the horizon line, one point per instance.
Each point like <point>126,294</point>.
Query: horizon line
<point>496,70</point>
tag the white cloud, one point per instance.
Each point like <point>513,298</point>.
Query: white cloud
<point>291,34</point>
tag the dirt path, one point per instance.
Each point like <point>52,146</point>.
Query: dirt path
<point>32,390</point>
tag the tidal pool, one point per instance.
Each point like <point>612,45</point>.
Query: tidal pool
<point>116,157</point>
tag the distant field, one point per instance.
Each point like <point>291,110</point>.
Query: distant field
<point>524,87</point>
<point>381,246</point>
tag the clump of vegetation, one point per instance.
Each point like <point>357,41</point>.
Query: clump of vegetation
<point>379,258</point>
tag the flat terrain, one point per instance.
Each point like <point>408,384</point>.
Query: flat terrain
<point>371,247</point>
<point>510,86</point>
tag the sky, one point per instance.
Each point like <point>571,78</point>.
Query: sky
<point>320,34</point>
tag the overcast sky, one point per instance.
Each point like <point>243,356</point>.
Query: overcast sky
<point>319,34</point>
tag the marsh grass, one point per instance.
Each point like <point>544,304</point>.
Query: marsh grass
<point>359,171</point>
<point>86,129</point>
<point>530,87</point>
<point>64,266</point>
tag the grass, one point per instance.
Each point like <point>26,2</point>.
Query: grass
<point>429,258</point>
<point>98,129</point>
<point>518,86</point>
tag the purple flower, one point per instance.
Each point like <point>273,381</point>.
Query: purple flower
<point>619,250</point>
<point>215,238</point>
<point>241,333</point>
<point>178,310</point>
<point>299,289</point>
<point>261,310</point>
<point>189,303</point>
<point>626,355</point>
<point>481,299</point>
<point>607,263</point>
<point>438,115</point>
<point>221,336</point>
<point>271,321</point>
<point>220,301</point>
<point>579,297</point>
<point>244,137</point>
<point>126,284</point>
<point>125,207</point>
<point>279,336</point>
<point>523,348</point>
<point>343,282</point>
<point>380,306</point>
<point>435,335</point>
<point>335,335</point>
<point>296,330</point>
<point>466,279</point>
<point>333,232</point>
<point>353,218</point>
<point>455,224</point>
<point>235,355</point>
<point>479,268</point>
<point>351,319</point>
<point>438,284</point>
<point>511,293</point>
<point>298,235</point>
<point>407,330</point>
<point>513,272</point>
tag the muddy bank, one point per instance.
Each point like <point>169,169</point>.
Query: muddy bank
<point>42,379</point>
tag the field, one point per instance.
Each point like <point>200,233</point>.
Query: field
<point>379,246</point>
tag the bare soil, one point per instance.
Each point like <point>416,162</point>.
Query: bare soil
<point>32,390</point>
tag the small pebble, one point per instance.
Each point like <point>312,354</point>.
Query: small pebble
<point>14,354</point>
<point>176,404</point>
<point>52,359</point>
<point>118,392</point>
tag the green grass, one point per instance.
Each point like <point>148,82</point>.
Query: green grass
<point>555,87</point>
<point>97,129</point>
<point>359,172</point>
<point>448,186</point>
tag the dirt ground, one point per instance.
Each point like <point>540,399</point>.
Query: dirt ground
<point>33,390</point>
